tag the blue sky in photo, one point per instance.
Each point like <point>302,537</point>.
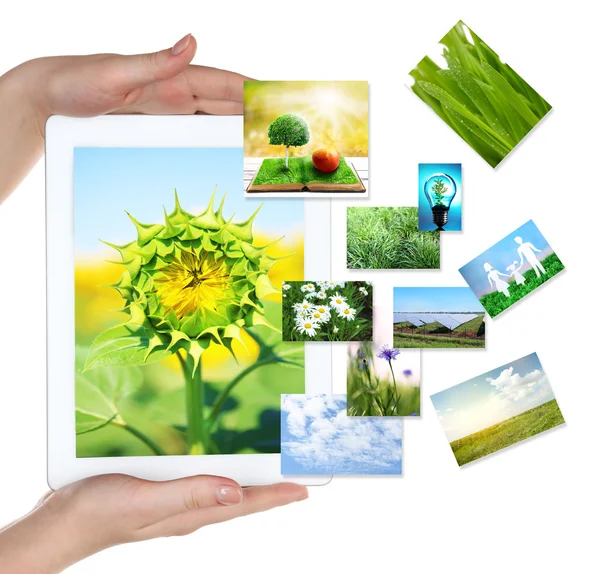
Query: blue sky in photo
<point>435,299</point>
<point>454,170</point>
<point>501,255</point>
<point>317,437</point>
<point>108,181</point>
<point>492,397</point>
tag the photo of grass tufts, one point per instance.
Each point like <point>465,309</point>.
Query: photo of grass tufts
<point>508,432</point>
<point>301,170</point>
<point>494,303</point>
<point>389,238</point>
<point>380,383</point>
<point>481,98</point>
<point>470,335</point>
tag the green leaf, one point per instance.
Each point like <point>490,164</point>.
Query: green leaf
<point>98,393</point>
<point>509,93</point>
<point>124,345</point>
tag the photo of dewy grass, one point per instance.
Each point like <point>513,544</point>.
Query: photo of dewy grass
<point>389,238</point>
<point>480,97</point>
<point>497,409</point>
<point>383,381</point>
<point>304,136</point>
<point>327,311</point>
<point>177,303</point>
<point>511,269</point>
<point>438,318</point>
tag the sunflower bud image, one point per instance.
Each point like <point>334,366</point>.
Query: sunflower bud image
<point>189,282</point>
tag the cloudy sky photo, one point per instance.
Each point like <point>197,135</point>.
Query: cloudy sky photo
<point>317,437</point>
<point>492,397</point>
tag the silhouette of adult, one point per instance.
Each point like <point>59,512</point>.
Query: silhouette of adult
<point>495,281</point>
<point>526,250</point>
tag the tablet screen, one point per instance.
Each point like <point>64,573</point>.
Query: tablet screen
<point>178,304</point>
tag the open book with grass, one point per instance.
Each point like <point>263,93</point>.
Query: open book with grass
<point>301,175</point>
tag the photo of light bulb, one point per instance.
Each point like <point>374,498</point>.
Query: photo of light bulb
<point>440,190</point>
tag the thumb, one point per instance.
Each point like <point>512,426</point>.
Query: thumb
<point>141,69</point>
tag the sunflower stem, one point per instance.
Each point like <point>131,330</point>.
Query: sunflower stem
<point>194,398</point>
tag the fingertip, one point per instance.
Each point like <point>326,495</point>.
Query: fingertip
<point>182,45</point>
<point>292,491</point>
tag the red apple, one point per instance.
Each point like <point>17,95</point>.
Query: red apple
<point>326,159</point>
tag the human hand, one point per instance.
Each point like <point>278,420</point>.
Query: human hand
<point>158,83</point>
<point>102,511</point>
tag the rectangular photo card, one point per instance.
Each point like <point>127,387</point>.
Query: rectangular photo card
<point>489,105</point>
<point>497,409</point>
<point>306,138</point>
<point>175,302</point>
<point>389,238</point>
<point>382,381</point>
<point>440,197</point>
<point>318,437</point>
<point>511,269</point>
<point>327,311</point>
<point>438,318</point>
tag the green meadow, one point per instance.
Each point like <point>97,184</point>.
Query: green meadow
<point>508,432</point>
<point>301,170</point>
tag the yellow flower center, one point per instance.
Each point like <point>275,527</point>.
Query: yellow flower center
<point>194,281</point>
<point>308,325</point>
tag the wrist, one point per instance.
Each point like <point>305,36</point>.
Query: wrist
<point>21,91</point>
<point>47,540</point>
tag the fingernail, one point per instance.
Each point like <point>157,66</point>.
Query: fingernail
<point>181,46</point>
<point>229,495</point>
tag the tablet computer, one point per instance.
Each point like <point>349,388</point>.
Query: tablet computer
<point>164,352</point>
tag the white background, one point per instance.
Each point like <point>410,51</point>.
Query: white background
<point>523,510</point>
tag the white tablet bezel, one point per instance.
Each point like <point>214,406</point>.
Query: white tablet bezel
<point>62,136</point>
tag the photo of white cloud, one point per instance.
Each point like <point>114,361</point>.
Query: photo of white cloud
<point>317,437</point>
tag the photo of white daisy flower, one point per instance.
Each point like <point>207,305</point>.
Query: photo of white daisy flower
<point>337,301</point>
<point>307,327</point>
<point>348,313</point>
<point>309,313</point>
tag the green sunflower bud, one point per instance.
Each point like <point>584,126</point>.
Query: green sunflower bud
<point>193,280</point>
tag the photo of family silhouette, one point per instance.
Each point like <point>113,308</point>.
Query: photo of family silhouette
<point>513,267</point>
<point>526,250</point>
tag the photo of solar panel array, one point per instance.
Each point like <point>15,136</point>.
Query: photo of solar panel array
<point>423,330</point>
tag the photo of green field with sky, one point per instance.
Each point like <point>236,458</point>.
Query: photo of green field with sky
<point>497,409</point>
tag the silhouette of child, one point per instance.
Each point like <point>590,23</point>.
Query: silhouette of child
<point>519,279</point>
